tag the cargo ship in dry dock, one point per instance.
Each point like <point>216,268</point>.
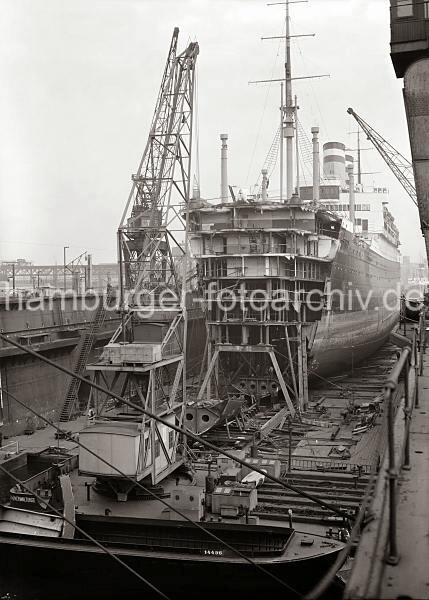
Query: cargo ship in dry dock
<point>306,277</point>
<point>298,284</point>
<point>136,490</point>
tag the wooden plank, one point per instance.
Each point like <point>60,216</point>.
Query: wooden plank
<point>69,507</point>
<point>282,383</point>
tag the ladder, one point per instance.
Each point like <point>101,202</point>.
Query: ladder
<point>71,405</point>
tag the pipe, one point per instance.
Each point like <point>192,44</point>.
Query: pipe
<point>88,279</point>
<point>415,362</point>
<point>316,164</point>
<point>224,168</point>
<point>297,147</point>
<point>393,557</point>
<point>264,194</point>
<point>408,408</point>
<point>352,196</point>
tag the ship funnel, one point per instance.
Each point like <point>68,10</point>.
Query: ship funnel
<point>264,194</point>
<point>351,195</point>
<point>224,168</point>
<point>334,161</point>
<point>316,164</point>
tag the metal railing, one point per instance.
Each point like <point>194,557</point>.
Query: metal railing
<point>256,248</point>
<point>308,464</point>
<point>365,564</point>
<point>410,358</point>
<point>9,449</point>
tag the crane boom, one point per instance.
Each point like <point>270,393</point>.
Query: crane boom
<point>400,166</point>
<point>144,239</point>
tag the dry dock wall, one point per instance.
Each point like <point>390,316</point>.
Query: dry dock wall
<point>52,326</point>
<point>37,384</point>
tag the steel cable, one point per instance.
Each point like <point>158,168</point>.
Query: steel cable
<point>151,493</point>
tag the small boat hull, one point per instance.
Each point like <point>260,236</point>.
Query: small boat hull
<point>52,569</point>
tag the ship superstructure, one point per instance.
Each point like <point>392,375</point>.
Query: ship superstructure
<point>295,283</point>
<point>297,287</point>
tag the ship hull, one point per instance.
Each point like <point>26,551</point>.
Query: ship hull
<point>364,307</point>
<point>67,570</point>
<point>343,341</point>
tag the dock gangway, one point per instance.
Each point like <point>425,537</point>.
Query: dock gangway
<point>84,348</point>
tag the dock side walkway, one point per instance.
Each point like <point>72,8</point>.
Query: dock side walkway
<point>372,576</point>
<point>410,577</point>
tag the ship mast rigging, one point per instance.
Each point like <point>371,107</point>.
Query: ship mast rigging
<point>288,108</point>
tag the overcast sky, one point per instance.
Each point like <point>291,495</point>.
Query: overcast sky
<point>79,80</point>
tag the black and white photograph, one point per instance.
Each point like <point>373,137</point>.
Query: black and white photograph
<point>214,299</point>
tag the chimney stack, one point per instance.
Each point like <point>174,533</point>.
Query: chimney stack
<point>264,194</point>
<point>224,169</point>
<point>316,164</point>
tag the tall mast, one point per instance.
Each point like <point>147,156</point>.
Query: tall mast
<point>288,110</point>
<point>288,119</point>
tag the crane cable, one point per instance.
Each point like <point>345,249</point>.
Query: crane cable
<point>258,133</point>
<point>197,129</point>
<point>84,533</point>
<point>153,494</point>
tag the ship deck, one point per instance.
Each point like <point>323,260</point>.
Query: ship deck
<point>307,541</point>
<point>99,504</point>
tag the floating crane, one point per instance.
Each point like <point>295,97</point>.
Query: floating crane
<point>145,359</point>
<point>400,166</point>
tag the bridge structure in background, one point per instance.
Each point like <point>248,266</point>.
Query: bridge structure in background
<point>23,274</point>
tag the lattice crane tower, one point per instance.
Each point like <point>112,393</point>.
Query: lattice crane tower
<point>146,360</point>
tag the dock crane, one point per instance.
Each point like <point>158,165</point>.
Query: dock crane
<point>145,361</point>
<point>400,166</point>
